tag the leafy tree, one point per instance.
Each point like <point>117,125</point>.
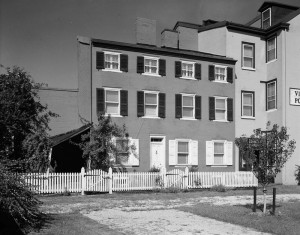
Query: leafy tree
<point>22,116</point>
<point>266,152</point>
<point>24,145</point>
<point>99,148</point>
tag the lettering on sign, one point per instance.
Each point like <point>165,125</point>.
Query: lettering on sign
<point>294,96</point>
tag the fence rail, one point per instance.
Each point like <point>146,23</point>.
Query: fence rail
<point>101,181</point>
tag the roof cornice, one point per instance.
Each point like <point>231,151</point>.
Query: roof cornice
<point>162,51</point>
<point>247,29</point>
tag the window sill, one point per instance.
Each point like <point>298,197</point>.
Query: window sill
<point>250,69</point>
<point>112,115</point>
<point>112,70</point>
<point>219,166</point>
<point>220,81</point>
<point>183,165</point>
<point>151,117</point>
<point>271,61</point>
<point>220,120</point>
<point>271,110</point>
<point>151,74</point>
<point>245,117</point>
<point>188,119</point>
<point>188,78</point>
<point>123,166</point>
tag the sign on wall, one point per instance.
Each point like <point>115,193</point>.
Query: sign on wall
<point>294,96</point>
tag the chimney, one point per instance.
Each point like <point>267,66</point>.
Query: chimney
<point>209,22</point>
<point>169,38</point>
<point>146,31</point>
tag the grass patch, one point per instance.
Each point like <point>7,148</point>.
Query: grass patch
<point>285,221</point>
<point>73,224</point>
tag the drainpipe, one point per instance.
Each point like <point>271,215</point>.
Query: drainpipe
<point>284,91</point>
<point>91,71</point>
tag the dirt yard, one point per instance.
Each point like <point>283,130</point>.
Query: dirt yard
<point>157,215</point>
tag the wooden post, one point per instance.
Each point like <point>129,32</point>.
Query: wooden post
<point>186,178</point>
<point>274,200</point>
<point>163,177</point>
<point>83,181</point>
<point>110,180</point>
<point>254,199</point>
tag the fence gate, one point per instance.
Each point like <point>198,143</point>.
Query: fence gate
<point>175,178</point>
<point>95,181</point>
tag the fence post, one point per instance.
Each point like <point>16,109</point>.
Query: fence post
<point>163,176</point>
<point>83,181</point>
<point>110,181</point>
<point>186,178</point>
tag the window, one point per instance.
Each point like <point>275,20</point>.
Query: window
<point>151,104</point>
<point>248,55</point>
<point>219,153</point>
<point>182,152</point>
<point>122,146</point>
<point>112,61</point>
<point>266,18</point>
<point>112,101</point>
<point>220,73</point>
<point>271,95</point>
<point>247,104</point>
<point>151,65</point>
<point>187,70</point>
<point>188,106</point>
<point>220,109</point>
<point>271,49</point>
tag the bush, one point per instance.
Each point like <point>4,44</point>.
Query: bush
<point>18,204</point>
<point>154,169</point>
<point>218,188</point>
<point>297,174</point>
<point>197,182</point>
<point>193,169</point>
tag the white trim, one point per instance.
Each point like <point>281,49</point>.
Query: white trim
<point>271,110</point>
<point>246,117</point>
<point>225,73</point>
<point>243,55</point>
<point>163,142</point>
<point>112,70</point>
<point>119,101</point>
<point>274,37</point>
<point>268,83</point>
<point>157,66</point>
<point>193,97</point>
<point>119,61</point>
<point>221,120</point>
<point>270,18</point>
<point>157,103</point>
<point>252,106</point>
<point>248,68</point>
<point>193,72</point>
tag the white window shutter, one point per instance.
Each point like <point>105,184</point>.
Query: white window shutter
<point>172,153</point>
<point>133,159</point>
<point>193,159</point>
<point>228,155</point>
<point>209,152</point>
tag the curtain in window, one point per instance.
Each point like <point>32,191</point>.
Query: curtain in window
<point>187,106</point>
<point>112,102</point>
<point>248,56</point>
<point>247,105</point>
<point>220,109</point>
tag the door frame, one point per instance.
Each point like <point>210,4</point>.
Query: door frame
<point>164,149</point>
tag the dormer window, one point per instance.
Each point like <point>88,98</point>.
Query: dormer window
<point>266,18</point>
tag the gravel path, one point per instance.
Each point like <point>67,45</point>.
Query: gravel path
<point>165,222</point>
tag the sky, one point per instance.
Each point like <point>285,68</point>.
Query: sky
<point>40,35</point>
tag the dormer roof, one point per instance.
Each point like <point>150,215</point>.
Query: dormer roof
<point>266,5</point>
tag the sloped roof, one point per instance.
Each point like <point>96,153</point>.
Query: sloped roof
<point>266,5</point>
<point>58,139</point>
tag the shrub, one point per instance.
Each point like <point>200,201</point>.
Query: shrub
<point>154,169</point>
<point>297,174</point>
<point>218,188</point>
<point>197,182</point>
<point>17,203</point>
<point>193,169</point>
<point>173,189</point>
<point>159,181</point>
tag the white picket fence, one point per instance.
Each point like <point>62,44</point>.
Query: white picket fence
<point>101,181</point>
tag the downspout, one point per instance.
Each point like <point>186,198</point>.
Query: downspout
<point>91,64</point>
<point>284,104</point>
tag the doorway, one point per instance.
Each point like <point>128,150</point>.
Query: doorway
<point>157,151</point>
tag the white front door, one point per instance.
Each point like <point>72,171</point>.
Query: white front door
<point>157,152</point>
